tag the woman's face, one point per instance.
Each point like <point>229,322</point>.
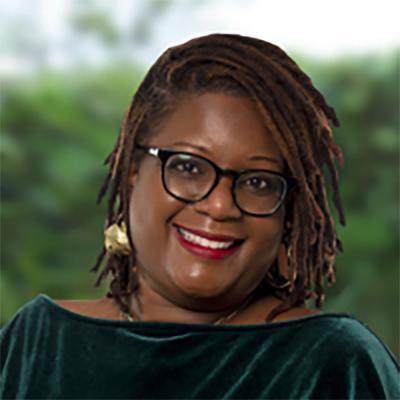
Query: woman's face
<point>229,131</point>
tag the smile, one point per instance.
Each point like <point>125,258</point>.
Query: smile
<point>191,237</point>
<point>205,247</point>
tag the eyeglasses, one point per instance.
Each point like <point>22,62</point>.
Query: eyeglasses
<point>191,178</point>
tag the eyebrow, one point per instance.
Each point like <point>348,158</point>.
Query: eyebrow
<point>205,150</point>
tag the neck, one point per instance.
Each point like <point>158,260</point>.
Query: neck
<point>147,305</point>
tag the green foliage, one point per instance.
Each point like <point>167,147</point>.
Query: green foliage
<point>363,92</point>
<point>57,129</point>
<point>96,22</point>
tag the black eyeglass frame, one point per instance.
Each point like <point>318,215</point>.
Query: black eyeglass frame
<point>164,155</point>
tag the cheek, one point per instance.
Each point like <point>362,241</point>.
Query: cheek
<point>150,209</point>
<point>268,236</point>
<point>265,235</point>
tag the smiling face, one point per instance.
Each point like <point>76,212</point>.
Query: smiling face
<point>229,131</point>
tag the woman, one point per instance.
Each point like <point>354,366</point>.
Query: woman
<point>218,230</point>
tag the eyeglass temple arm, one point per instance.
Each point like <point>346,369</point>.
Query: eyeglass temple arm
<point>154,151</point>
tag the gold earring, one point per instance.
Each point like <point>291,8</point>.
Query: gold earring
<point>283,265</point>
<point>116,240</point>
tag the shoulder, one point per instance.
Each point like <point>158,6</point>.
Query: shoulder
<point>336,342</point>
<point>342,354</point>
<point>344,337</point>
<point>32,310</point>
<point>295,313</point>
<point>350,351</point>
<point>43,311</point>
<point>43,318</point>
<point>257,312</point>
<point>17,334</point>
<point>104,308</point>
<point>353,337</point>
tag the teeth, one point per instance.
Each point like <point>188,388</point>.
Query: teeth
<point>191,237</point>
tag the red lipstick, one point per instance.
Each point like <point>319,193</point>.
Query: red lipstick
<point>206,252</point>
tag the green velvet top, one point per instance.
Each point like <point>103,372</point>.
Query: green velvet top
<point>48,352</point>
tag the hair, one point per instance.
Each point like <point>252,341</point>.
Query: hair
<point>297,118</point>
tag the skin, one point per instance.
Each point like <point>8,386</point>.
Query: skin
<point>175,285</point>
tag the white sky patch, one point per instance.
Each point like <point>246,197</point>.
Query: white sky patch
<point>315,28</point>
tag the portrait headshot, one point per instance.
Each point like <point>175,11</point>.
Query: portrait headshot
<point>218,238</point>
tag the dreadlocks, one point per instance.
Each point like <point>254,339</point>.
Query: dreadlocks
<point>295,114</point>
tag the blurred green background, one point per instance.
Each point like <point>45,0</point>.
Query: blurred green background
<point>59,124</point>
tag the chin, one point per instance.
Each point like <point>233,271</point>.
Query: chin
<point>198,284</point>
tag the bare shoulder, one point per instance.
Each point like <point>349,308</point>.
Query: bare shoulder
<point>262,307</point>
<point>104,308</point>
<point>296,312</point>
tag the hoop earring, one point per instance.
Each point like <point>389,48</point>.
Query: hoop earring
<point>282,265</point>
<point>116,240</point>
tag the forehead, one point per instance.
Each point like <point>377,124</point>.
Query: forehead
<point>229,127</point>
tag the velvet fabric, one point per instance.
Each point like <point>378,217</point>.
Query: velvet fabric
<point>48,352</point>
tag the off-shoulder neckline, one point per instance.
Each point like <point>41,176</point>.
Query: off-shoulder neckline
<point>177,326</point>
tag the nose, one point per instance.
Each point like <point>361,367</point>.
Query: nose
<point>219,204</point>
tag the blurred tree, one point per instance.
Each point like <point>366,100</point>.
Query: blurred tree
<point>364,94</point>
<point>94,21</point>
<point>56,131</point>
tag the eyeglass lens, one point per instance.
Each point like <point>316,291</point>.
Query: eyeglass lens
<point>191,178</point>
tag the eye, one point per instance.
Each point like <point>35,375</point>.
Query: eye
<point>185,166</point>
<point>257,183</point>
<point>261,184</point>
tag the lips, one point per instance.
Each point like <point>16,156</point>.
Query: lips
<point>207,235</point>
<point>207,252</point>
